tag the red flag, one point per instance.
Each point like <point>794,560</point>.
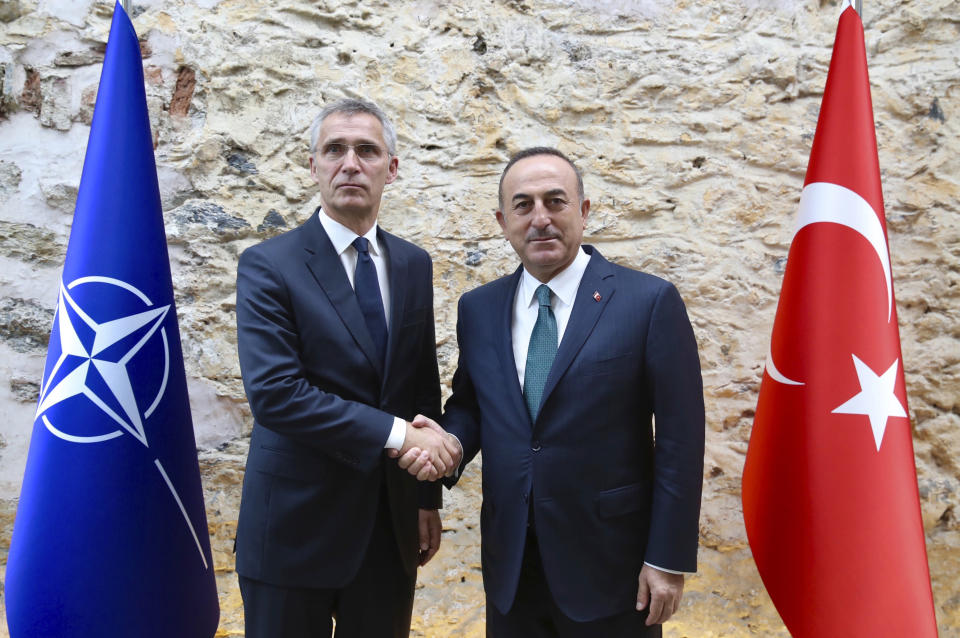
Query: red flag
<point>830,496</point>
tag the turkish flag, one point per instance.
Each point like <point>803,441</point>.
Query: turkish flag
<point>830,496</point>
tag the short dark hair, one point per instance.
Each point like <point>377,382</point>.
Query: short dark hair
<point>352,106</point>
<point>531,152</point>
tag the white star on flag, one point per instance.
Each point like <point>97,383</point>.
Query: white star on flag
<point>876,399</point>
<point>114,373</point>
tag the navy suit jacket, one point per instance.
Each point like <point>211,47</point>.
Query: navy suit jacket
<point>323,407</point>
<point>606,493</point>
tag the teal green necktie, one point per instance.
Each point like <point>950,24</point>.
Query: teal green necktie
<point>540,354</point>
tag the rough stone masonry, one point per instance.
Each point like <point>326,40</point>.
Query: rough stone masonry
<point>692,121</point>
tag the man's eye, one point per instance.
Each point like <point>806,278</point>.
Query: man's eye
<point>368,151</point>
<point>333,149</point>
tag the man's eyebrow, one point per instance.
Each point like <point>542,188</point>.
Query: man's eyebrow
<point>344,140</point>
<point>550,193</point>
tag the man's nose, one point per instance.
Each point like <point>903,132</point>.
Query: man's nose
<point>540,215</point>
<point>350,160</point>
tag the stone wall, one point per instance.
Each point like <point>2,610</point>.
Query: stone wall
<point>692,122</point>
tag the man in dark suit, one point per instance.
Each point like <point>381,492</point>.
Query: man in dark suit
<point>337,353</point>
<point>590,514</point>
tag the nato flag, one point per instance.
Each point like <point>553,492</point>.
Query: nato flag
<point>110,538</point>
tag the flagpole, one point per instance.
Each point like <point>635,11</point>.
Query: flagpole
<point>858,6</point>
<point>126,6</point>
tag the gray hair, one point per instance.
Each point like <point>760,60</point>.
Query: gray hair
<point>532,152</point>
<point>351,106</point>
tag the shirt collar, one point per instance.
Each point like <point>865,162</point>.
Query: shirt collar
<point>342,237</point>
<point>563,285</point>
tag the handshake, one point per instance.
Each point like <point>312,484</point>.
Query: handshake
<point>428,452</point>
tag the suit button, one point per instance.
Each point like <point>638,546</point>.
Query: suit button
<point>524,498</point>
<point>535,446</point>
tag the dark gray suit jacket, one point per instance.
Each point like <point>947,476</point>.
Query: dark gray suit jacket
<point>323,407</point>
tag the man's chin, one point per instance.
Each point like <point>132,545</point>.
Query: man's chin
<point>543,261</point>
<point>352,204</point>
<point>545,254</point>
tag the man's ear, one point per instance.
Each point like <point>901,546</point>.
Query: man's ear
<point>501,221</point>
<point>393,169</point>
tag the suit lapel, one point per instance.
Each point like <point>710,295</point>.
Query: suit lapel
<point>597,279</point>
<point>324,263</point>
<point>397,265</point>
<point>505,344</point>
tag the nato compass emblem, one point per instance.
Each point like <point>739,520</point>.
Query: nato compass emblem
<point>109,347</point>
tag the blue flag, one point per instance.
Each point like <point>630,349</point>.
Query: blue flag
<point>110,538</point>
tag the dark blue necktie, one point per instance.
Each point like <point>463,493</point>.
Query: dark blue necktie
<point>540,353</point>
<point>367,286</point>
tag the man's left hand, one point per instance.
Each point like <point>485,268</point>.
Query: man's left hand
<point>430,528</point>
<point>661,592</point>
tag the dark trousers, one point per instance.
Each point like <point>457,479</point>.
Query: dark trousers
<point>534,613</point>
<point>377,603</point>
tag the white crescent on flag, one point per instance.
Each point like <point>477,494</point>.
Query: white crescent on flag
<point>825,202</point>
<point>822,202</point>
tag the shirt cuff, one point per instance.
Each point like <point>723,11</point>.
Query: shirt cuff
<point>456,438</point>
<point>669,571</point>
<point>398,433</point>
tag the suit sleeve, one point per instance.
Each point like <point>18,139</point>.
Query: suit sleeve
<point>430,494</point>
<point>676,390</point>
<point>461,415</point>
<point>274,377</point>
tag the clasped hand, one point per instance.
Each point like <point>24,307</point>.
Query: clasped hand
<point>428,452</point>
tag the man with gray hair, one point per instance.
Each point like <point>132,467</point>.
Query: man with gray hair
<point>335,334</point>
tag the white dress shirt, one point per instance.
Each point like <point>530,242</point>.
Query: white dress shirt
<point>342,239</point>
<point>563,289</point>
